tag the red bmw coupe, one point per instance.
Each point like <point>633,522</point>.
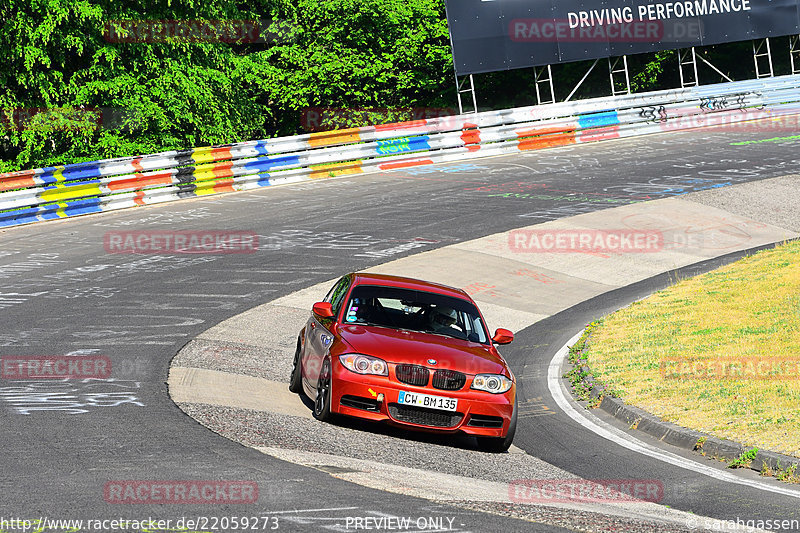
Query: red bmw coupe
<point>408,352</point>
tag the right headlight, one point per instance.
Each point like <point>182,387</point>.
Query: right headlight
<point>364,364</point>
<point>494,383</point>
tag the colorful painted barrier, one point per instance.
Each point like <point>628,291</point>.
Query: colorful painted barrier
<point>96,186</point>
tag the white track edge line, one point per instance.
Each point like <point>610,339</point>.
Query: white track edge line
<point>602,429</point>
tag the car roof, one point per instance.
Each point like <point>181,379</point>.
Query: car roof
<point>367,278</point>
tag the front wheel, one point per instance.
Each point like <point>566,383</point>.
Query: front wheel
<point>500,444</point>
<point>322,404</point>
<point>296,379</point>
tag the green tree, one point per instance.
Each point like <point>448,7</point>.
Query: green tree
<point>154,96</point>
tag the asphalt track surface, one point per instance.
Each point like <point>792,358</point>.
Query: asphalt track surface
<point>61,292</point>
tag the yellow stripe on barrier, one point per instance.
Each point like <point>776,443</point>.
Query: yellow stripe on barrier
<point>62,192</point>
<point>330,138</point>
<point>60,212</point>
<point>329,171</point>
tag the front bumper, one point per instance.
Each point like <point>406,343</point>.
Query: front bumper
<point>479,413</point>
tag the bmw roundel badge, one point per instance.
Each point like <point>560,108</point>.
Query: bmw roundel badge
<point>432,361</point>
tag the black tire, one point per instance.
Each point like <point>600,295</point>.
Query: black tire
<point>322,403</point>
<point>296,379</point>
<point>500,444</point>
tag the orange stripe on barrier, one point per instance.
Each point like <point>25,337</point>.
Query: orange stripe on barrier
<point>224,170</point>
<point>223,152</point>
<point>536,139</point>
<point>138,199</point>
<point>354,167</point>
<point>137,163</point>
<point>405,164</point>
<point>330,138</point>
<point>17,174</point>
<point>7,184</point>
<point>139,181</point>
<point>224,186</point>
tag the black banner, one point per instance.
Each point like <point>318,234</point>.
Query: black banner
<point>491,35</point>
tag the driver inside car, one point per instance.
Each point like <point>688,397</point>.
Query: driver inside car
<point>442,319</point>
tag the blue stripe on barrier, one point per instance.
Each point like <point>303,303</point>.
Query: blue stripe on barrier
<point>405,144</point>
<point>264,180</point>
<point>83,207</point>
<point>69,184</point>
<point>266,163</point>
<point>261,148</point>
<point>598,120</point>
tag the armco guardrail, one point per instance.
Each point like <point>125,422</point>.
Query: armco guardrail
<point>58,192</point>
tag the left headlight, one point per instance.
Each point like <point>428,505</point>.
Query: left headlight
<point>494,383</point>
<point>364,364</point>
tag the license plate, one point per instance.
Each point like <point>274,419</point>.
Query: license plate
<point>426,400</point>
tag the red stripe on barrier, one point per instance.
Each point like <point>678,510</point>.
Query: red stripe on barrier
<point>405,164</point>
<point>139,181</point>
<point>139,198</point>
<point>401,125</point>
<point>545,138</point>
<point>471,136</point>
<point>600,134</point>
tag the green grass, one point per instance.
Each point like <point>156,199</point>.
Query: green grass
<point>744,313</point>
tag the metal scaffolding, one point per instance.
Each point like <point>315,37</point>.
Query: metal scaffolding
<point>462,89</point>
<point>761,52</point>
<point>544,76</point>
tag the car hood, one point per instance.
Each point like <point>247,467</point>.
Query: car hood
<point>402,346</point>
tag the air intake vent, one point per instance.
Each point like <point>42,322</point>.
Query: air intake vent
<point>424,417</point>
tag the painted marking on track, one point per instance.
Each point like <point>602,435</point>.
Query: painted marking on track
<point>310,510</point>
<point>602,429</point>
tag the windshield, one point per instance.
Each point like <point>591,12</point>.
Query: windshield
<point>427,312</point>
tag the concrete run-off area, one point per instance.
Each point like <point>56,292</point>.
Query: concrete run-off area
<point>233,377</point>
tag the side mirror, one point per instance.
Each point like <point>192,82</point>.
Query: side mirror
<point>502,336</point>
<point>323,309</point>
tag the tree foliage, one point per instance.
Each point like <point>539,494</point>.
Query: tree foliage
<point>71,93</point>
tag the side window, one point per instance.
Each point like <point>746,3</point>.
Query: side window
<point>337,294</point>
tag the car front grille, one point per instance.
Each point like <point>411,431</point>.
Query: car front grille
<point>448,379</point>
<point>412,374</point>
<point>424,417</point>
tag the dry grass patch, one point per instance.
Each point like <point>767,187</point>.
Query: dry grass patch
<point>673,353</point>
